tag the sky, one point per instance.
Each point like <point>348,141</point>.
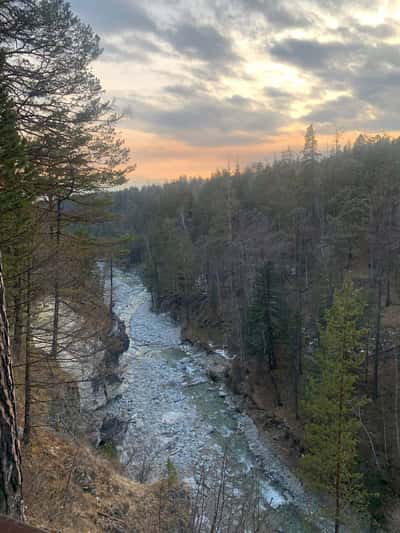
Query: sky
<point>203,84</point>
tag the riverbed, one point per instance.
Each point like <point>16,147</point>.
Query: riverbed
<point>175,414</point>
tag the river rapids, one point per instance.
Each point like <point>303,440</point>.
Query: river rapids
<point>176,414</point>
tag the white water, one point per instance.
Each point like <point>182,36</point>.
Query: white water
<point>174,412</point>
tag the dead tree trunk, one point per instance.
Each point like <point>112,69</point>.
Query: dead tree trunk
<point>11,503</point>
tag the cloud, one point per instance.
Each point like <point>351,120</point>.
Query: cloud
<point>279,98</point>
<point>379,87</point>
<point>369,70</point>
<point>203,42</point>
<point>117,54</point>
<point>129,48</point>
<point>114,16</point>
<point>314,55</point>
<point>372,107</point>
<point>206,121</point>
<point>384,30</point>
<point>185,91</point>
<point>210,73</point>
<point>277,13</point>
<point>339,110</point>
<point>240,101</point>
<point>334,5</point>
<point>273,92</point>
<point>143,30</point>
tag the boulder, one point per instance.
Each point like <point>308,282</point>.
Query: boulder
<point>217,370</point>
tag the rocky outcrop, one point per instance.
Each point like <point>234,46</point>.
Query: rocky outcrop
<point>101,371</point>
<point>94,365</point>
<point>107,385</point>
<point>112,430</point>
<point>116,342</point>
<point>106,376</point>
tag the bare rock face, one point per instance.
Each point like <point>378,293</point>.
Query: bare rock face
<point>117,342</point>
<point>106,376</point>
<point>107,385</point>
<point>112,430</point>
<point>95,365</point>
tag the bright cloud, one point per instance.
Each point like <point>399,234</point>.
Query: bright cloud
<point>204,82</point>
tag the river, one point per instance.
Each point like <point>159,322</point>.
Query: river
<point>175,413</point>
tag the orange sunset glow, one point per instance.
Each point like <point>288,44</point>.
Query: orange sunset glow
<point>209,84</point>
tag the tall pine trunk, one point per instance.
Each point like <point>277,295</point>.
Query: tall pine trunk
<point>11,503</point>
<point>388,292</point>
<point>377,339</point>
<point>111,286</point>
<point>56,312</point>
<point>270,331</point>
<point>396,403</point>
<point>28,391</point>
<point>18,317</point>
<point>297,370</point>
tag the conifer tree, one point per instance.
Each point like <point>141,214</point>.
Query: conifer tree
<point>310,151</point>
<point>265,316</point>
<point>331,404</point>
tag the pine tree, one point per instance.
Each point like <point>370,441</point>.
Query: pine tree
<point>331,404</point>
<point>265,315</point>
<point>310,151</point>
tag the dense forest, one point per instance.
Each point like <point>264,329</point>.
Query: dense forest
<point>257,260</point>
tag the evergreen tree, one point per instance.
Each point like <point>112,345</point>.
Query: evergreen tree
<point>264,316</point>
<point>331,404</point>
<point>310,151</point>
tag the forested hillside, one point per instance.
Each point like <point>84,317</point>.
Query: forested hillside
<point>251,259</point>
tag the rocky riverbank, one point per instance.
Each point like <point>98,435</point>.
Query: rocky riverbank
<point>283,436</point>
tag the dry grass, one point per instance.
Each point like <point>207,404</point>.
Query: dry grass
<point>69,488</point>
